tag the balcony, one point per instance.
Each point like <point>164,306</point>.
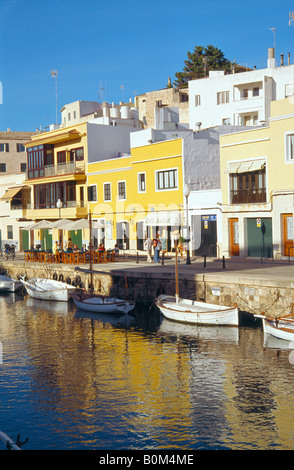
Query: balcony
<point>69,210</point>
<point>248,196</point>
<point>59,170</point>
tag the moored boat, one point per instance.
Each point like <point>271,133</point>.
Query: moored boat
<point>195,312</point>
<point>96,303</point>
<point>48,289</point>
<point>279,327</point>
<point>7,284</point>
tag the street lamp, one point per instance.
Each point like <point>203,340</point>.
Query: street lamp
<point>186,192</point>
<point>59,206</point>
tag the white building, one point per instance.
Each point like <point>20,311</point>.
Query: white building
<point>240,98</point>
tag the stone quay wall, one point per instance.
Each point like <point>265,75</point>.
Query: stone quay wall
<point>250,294</point>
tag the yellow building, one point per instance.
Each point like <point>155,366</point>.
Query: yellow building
<point>257,174</point>
<point>138,194</point>
<point>56,180</point>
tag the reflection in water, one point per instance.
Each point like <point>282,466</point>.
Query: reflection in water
<point>75,380</point>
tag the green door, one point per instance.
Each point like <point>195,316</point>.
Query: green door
<point>259,237</point>
<point>76,237</point>
<point>46,239</point>
<point>25,240</point>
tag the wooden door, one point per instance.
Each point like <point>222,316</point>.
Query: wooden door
<point>288,241</point>
<point>234,237</point>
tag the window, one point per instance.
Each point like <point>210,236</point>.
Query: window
<point>61,157</point>
<point>10,232</point>
<point>249,187</point>
<point>39,156</point>
<point>121,190</point>
<point>107,192</point>
<point>223,97</point>
<point>74,114</point>
<point>23,167</point>
<point>167,179</point>
<point>92,193</point>
<point>2,167</point>
<point>4,147</point>
<point>226,121</point>
<point>20,148</point>
<point>141,182</point>
<point>255,91</point>
<point>244,94</point>
<point>197,100</point>
<point>290,147</point>
<point>77,154</point>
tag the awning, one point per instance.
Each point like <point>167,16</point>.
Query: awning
<point>245,166</point>
<point>10,193</point>
<point>164,218</point>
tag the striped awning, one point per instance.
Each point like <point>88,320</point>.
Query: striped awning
<point>245,166</point>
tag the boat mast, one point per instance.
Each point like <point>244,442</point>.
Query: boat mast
<point>176,238</point>
<point>91,262</point>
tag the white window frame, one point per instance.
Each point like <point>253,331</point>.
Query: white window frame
<point>167,170</point>
<point>197,100</point>
<point>223,97</point>
<point>107,200</point>
<point>139,182</point>
<point>289,147</point>
<point>118,197</point>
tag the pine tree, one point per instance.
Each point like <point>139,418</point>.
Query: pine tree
<point>199,62</point>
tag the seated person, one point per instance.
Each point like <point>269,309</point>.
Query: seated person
<point>75,248</point>
<point>69,245</point>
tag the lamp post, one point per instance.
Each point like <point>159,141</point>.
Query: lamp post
<point>186,194</point>
<point>59,206</point>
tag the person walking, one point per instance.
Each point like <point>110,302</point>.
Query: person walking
<point>148,246</point>
<point>157,247</point>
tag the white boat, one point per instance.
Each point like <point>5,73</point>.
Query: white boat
<point>99,304</point>
<point>195,312</point>
<point>48,289</point>
<point>7,284</point>
<point>279,327</point>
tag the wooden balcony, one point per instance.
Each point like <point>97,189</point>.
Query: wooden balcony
<point>248,196</point>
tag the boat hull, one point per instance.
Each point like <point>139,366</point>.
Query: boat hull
<point>9,285</point>
<point>198,313</point>
<point>282,330</point>
<point>47,289</point>
<point>96,304</point>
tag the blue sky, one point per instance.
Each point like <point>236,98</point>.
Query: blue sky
<point>97,45</point>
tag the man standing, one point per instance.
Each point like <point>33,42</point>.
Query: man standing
<point>157,248</point>
<point>148,246</point>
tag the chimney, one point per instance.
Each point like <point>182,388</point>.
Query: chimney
<point>282,60</point>
<point>288,58</point>
<point>271,62</point>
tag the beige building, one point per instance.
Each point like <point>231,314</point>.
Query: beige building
<point>13,157</point>
<point>150,104</point>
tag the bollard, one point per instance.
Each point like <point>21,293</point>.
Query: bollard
<point>204,261</point>
<point>162,258</point>
<point>224,263</point>
<point>137,260</point>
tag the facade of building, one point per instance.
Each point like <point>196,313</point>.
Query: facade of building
<point>13,157</point>
<point>257,174</point>
<point>138,195</point>
<point>149,105</point>
<point>56,176</point>
<point>239,98</point>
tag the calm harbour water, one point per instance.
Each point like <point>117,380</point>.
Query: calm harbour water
<point>72,380</point>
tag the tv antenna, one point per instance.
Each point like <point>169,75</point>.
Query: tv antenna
<point>54,74</point>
